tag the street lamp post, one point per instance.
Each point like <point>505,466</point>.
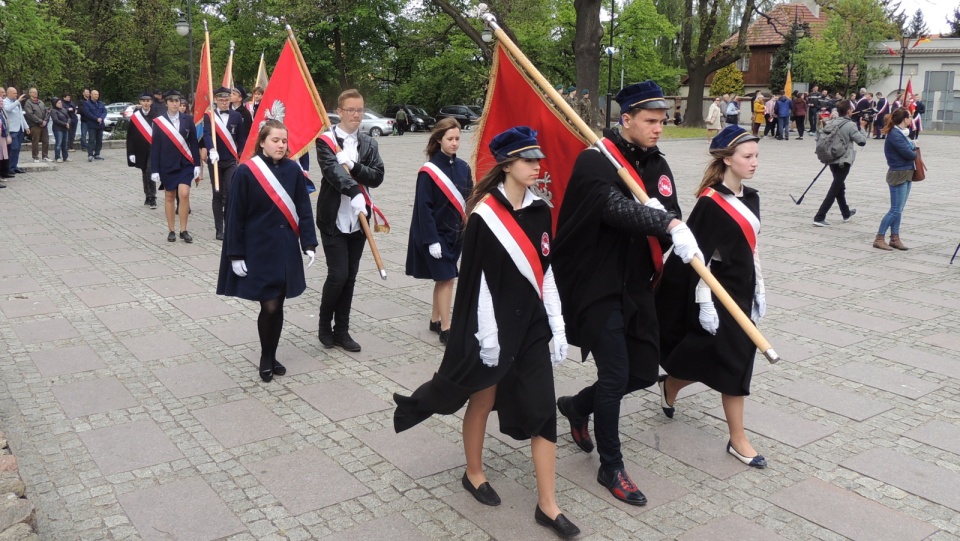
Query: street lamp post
<point>610,51</point>
<point>185,28</point>
<point>904,44</point>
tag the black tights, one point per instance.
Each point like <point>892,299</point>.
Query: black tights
<point>269,325</point>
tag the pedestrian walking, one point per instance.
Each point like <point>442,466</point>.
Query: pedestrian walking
<point>175,162</point>
<point>901,155</point>
<point>699,340</point>
<point>62,121</point>
<point>401,118</point>
<point>139,139</point>
<point>847,133</point>
<point>224,154</point>
<point>38,115</point>
<point>506,311</point>
<point>271,225</point>
<point>436,240</point>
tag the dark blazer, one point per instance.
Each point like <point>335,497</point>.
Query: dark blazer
<point>137,144</point>
<point>92,110</point>
<point>165,156</point>
<point>368,170</point>
<point>60,119</point>
<point>235,126</point>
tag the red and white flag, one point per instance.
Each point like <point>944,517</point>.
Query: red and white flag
<point>908,97</point>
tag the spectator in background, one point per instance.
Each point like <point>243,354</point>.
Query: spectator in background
<point>800,112</point>
<point>37,115</point>
<point>714,119</point>
<point>733,111</point>
<point>724,103</point>
<point>84,137</point>
<point>770,114</point>
<point>157,109</point>
<point>62,121</point>
<point>254,104</point>
<point>95,117</point>
<point>783,107</point>
<point>71,109</point>
<point>4,152</point>
<point>759,111</point>
<point>17,126</point>
<point>813,108</point>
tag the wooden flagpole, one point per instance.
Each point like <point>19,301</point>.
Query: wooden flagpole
<point>213,124</point>
<point>745,323</point>
<point>326,122</point>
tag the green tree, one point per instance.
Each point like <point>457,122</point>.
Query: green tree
<point>817,61</point>
<point>638,29</point>
<point>28,61</point>
<point>781,61</point>
<point>727,80</point>
<point>954,23</point>
<point>918,27</point>
<point>853,25</point>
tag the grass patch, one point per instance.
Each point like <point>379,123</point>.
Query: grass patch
<point>683,132</point>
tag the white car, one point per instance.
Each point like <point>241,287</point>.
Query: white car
<point>114,114</point>
<point>376,125</point>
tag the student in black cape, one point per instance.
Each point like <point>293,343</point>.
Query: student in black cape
<point>699,339</point>
<point>175,161</point>
<point>139,136</point>
<point>498,355</point>
<point>260,260</point>
<point>435,242</point>
<point>223,151</point>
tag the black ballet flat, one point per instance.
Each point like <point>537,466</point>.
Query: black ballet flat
<point>483,493</point>
<point>279,369</point>
<point>668,410</point>
<point>560,525</point>
<point>266,375</point>
<point>445,336</point>
<point>266,369</point>
<point>435,327</point>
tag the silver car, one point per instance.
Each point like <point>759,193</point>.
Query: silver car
<point>376,125</point>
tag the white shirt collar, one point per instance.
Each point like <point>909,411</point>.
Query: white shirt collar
<point>528,196</point>
<point>344,135</point>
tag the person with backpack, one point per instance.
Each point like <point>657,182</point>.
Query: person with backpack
<point>835,148</point>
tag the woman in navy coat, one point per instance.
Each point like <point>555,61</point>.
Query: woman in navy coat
<point>444,182</point>
<point>261,259</point>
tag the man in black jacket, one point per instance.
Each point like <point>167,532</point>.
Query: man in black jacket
<point>350,163</point>
<point>139,139</point>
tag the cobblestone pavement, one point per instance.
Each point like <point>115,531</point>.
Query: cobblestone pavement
<point>131,398</point>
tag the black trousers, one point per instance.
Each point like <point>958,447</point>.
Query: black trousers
<point>96,139</point>
<point>616,378</point>
<point>837,192</point>
<point>342,253</point>
<point>149,186</point>
<point>812,117</point>
<point>221,196</point>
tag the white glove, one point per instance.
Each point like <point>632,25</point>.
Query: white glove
<point>343,159</point>
<point>684,243</point>
<point>196,172</point>
<point>435,250</point>
<point>759,306</point>
<point>357,204</point>
<point>490,351</point>
<point>132,158</point>
<point>214,156</point>
<point>239,267</point>
<point>654,203</point>
<point>560,348</point>
<point>155,177</point>
<point>312,255</point>
<point>709,319</point>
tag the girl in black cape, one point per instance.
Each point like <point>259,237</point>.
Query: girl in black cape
<point>436,228</point>
<point>699,339</point>
<point>260,260</point>
<point>498,354</point>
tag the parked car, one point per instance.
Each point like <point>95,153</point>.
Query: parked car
<point>375,124</point>
<point>461,113</point>
<point>128,112</point>
<point>418,118</point>
<point>114,115</point>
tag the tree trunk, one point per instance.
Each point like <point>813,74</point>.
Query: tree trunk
<point>694,114</point>
<point>586,48</point>
<point>338,54</point>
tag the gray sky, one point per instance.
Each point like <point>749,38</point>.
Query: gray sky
<point>935,12</point>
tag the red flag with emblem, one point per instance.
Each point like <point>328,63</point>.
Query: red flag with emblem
<point>908,97</point>
<point>289,100</point>
<point>201,96</point>
<point>514,100</point>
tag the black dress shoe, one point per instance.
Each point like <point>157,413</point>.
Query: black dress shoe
<point>621,486</point>
<point>171,237</point>
<point>483,493</point>
<point>668,410</point>
<point>445,336</point>
<point>19,171</point>
<point>579,426</point>
<point>279,369</point>
<point>347,343</point>
<point>185,235</point>
<point>219,235</point>
<point>266,369</point>
<point>325,335</point>
<point>561,525</point>
<point>435,327</point>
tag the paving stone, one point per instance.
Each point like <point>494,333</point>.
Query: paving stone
<point>944,340</point>
<point>921,359</point>
<point>820,333</point>
<point>939,434</point>
<point>305,319</point>
<point>412,376</point>
<point>67,262</point>
<point>104,296</point>
<point>846,403</point>
<point>787,302</point>
<point>732,526</point>
<point>778,425</point>
<point>581,469</point>
<point>149,270</point>
<point>848,513</point>
<point>406,450</point>
<point>291,357</point>
<point>129,256</point>
<point>901,308</point>
<point>15,511</point>
<point>389,528</point>
<point>866,321</point>
<point>341,399</point>
<point>306,480</point>
<point>157,345</point>
<point>85,278</point>
<point>383,309</point>
<point>912,475</point>
<point>235,333</point>
<point>173,287</point>
<point>183,509</point>
<point>18,285</point>
<point>66,360</point>
<point>93,396</point>
<point>419,330</point>
<point>693,447</point>
<point>129,446</point>
<point>203,307</point>
<point>28,305</point>
<point>12,268</point>
<point>788,351</point>
<point>51,330</point>
<point>11,483</point>
<point>193,379</point>
<point>885,379</point>
<point>240,422</point>
<point>372,347</point>
<point>128,319</point>
<point>19,532</point>
<point>812,288</point>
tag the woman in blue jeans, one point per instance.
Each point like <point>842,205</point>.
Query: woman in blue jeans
<point>61,130</point>
<point>901,155</point>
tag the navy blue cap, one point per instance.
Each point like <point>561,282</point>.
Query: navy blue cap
<point>645,95</point>
<point>222,91</point>
<point>517,142</point>
<point>239,90</point>
<point>172,95</point>
<point>732,136</point>
<point>145,96</point>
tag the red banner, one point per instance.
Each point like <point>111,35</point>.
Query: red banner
<point>910,104</point>
<point>201,97</point>
<point>514,100</point>
<point>289,100</point>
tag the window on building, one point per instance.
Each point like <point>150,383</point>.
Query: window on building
<point>743,63</point>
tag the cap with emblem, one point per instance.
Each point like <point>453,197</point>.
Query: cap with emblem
<point>239,90</point>
<point>517,142</point>
<point>731,136</point>
<point>645,95</point>
<point>172,95</point>
<point>145,95</point>
<point>222,92</point>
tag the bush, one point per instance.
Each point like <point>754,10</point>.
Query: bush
<point>727,80</point>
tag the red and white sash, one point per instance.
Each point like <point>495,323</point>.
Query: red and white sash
<point>656,251</point>
<point>513,239</point>
<point>166,127</point>
<point>747,220</point>
<point>224,134</point>
<point>270,184</point>
<point>446,186</point>
<point>328,138</point>
<point>143,125</point>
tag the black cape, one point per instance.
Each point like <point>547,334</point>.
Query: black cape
<point>524,375</point>
<point>724,362</point>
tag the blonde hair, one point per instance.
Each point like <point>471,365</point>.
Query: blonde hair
<point>348,94</point>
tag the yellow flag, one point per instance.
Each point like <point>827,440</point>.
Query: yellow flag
<point>788,86</point>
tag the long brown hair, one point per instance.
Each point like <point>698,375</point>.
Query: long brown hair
<point>894,119</point>
<point>265,132</point>
<point>488,183</point>
<point>433,144</point>
<point>713,175</point>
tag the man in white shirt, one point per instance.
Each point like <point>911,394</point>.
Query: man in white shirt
<point>13,107</point>
<point>350,163</point>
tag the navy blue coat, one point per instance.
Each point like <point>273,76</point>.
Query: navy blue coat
<point>435,219</point>
<point>260,234</point>
<point>92,110</point>
<point>165,155</point>
<point>237,130</point>
<point>898,151</point>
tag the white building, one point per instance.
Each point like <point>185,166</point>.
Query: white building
<point>933,67</point>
